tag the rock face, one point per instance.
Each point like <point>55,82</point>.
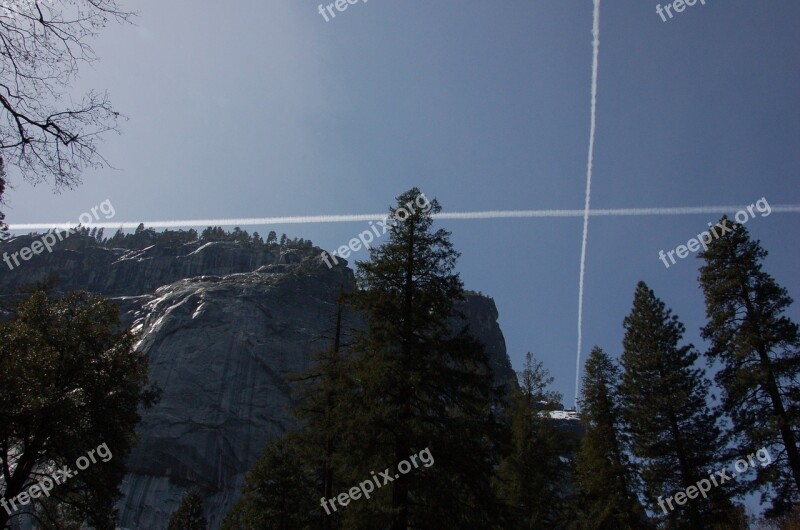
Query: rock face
<point>221,348</point>
<point>81,263</point>
<point>225,326</point>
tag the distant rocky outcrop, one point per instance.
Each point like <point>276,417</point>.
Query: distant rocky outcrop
<point>81,262</point>
<point>224,325</point>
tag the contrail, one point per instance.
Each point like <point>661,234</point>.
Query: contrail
<point>488,214</point>
<point>592,128</point>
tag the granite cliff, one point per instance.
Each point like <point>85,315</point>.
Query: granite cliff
<point>225,325</point>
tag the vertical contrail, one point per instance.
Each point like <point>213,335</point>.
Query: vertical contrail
<point>592,126</point>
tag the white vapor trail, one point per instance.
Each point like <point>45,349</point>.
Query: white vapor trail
<point>488,214</point>
<point>592,128</point>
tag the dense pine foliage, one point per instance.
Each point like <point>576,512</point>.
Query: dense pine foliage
<point>664,398</point>
<point>759,350</point>
<point>189,515</point>
<point>606,476</point>
<point>71,381</point>
<point>144,237</point>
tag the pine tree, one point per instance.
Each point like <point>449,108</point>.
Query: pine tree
<point>239,236</point>
<point>421,385</point>
<point>272,238</point>
<point>279,492</point>
<point>534,478</point>
<point>606,490</point>
<point>664,407</point>
<point>118,239</point>
<point>189,516</point>
<point>321,406</point>
<point>300,467</point>
<point>759,350</point>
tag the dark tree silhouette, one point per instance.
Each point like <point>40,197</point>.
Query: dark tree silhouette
<point>3,225</point>
<point>758,347</point>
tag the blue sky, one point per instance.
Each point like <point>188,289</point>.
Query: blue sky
<point>262,108</point>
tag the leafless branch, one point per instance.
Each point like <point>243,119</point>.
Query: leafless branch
<point>42,44</point>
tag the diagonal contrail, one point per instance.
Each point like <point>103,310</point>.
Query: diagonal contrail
<point>488,214</point>
<point>592,128</point>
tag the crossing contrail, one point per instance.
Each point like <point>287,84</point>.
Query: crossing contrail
<point>487,214</point>
<point>592,128</point>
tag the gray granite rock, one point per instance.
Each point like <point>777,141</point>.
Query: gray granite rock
<point>81,263</point>
<point>222,349</point>
<point>224,326</point>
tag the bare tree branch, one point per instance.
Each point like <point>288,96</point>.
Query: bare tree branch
<point>42,44</point>
<point>3,225</point>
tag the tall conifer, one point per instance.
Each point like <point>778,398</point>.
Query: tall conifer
<point>535,479</point>
<point>422,382</point>
<point>189,516</point>
<point>604,478</point>
<point>664,405</point>
<point>758,347</point>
